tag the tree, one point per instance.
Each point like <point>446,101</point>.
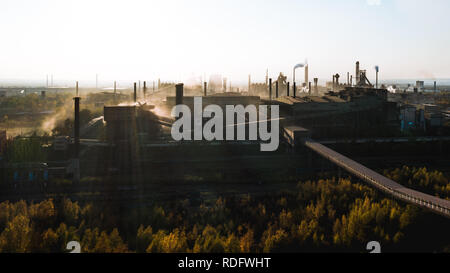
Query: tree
<point>17,235</point>
<point>143,238</point>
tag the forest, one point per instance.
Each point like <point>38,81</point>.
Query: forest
<point>431,182</point>
<point>334,215</point>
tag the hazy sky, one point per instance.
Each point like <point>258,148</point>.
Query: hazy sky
<point>175,39</point>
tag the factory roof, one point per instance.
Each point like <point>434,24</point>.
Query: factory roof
<point>317,99</point>
<point>333,99</point>
<point>325,99</point>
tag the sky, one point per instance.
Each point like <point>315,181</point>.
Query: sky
<point>176,40</point>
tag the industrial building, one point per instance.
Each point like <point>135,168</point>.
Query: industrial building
<point>353,112</point>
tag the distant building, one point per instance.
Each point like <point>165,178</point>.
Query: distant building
<point>420,85</point>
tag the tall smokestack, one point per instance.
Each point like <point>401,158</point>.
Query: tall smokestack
<point>249,83</point>
<point>357,76</point>
<point>377,69</point>
<point>276,89</point>
<point>316,87</point>
<point>334,81</point>
<point>76,89</point>
<point>179,94</point>
<point>205,89</point>
<point>435,87</point>
<point>287,89</point>
<point>77,126</point>
<point>224,85</point>
<point>348,78</point>
<point>376,82</point>
<point>135,94</point>
<point>115,93</point>
<point>270,88</point>
<point>309,89</point>
<point>76,161</point>
<point>294,88</point>
<point>306,74</point>
<point>145,90</point>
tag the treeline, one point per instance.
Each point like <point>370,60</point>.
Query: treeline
<point>431,182</point>
<point>34,102</point>
<point>326,215</point>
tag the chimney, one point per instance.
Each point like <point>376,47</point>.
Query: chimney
<point>334,81</point>
<point>435,87</point>
<point>377,69</point>
<point>224,85</point>
<point>357,74</point>
<point>270,88</point>
<point>145,90</point>
<point>249,83</point>
<point>115,93</point>
<point>135,94</point>
<point>205,89</point>
<point>76,160</point>
<point>316,87</point>
<point>77,126</point>
<point>348,78</point>
<point>306,74</point>
<point>294,89</point>
<point>287,89</point>
<point>179,94</point>
<point>76,89</point>
<point>376,81</point>
<point>351,80</point>
<point>309,89</point>
<point>276,89</point>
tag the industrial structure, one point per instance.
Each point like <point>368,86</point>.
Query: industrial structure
<point>134,138</point>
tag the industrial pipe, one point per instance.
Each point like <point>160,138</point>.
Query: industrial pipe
<point>145,90</point>
<point>179,94</point>
<point>287,89</point>
<point>276,89</point>
<point>270,88</point>
<point>135,93</point>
